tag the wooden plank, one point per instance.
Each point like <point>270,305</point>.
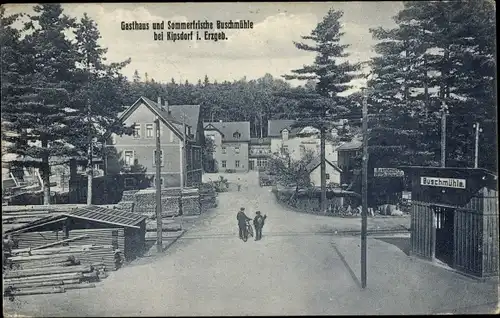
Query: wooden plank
<point>48,270</point>
<point>37,291</point>
<point>61,242</point>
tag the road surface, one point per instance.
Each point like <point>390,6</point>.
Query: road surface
<point>291,271</point>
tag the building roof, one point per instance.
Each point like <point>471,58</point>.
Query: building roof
<point>105,215</point>
<point>228,129</point>
<point>274,127</point>
<point>92,213</point>
<point>174,124</point>
<point>317,161</point>
<point>351,145</point>
<point>191,112</point>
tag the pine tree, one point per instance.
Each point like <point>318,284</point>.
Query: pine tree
<point>206,82</point>
<point>39,119</point>
<point>332,76</point>
<point>136,78</point>
<point>97,97</point>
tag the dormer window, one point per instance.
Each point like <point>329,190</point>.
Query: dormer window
<point>284,134</point>
<point>236,135</point>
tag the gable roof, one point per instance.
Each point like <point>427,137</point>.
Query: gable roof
<point>274,127</point>
<point>227,129</point>
<point>92,213</point>
<point>163,115</point>
<point>317,161</point>
<point>209,126</point>
<point>191,112</point>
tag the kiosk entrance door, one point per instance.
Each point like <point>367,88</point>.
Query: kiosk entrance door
<point>444,244</point>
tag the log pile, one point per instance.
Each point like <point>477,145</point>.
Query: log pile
<point>51,270</point>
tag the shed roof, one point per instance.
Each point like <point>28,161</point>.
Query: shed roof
<point>92,213</point>
<point>228,129</point>
<point>110,216</point>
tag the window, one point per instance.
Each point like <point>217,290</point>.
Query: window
<point>161,158</point>
<point>327,176</point>
<point>171,136</point>
<point>261,162</point>
<point>237,149</point>
<point>284,134</point>
<point>223,163</point>
<point>129,183</point>
<point>237,163</point>
<point>224,150</point>
<point>129,157</point>
<point>149,130</point>
<point>137,131</point>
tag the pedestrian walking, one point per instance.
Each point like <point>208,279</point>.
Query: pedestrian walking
<point>258,223</point>
<point>242,223</point>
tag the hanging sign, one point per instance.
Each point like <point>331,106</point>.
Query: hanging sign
<point>443,182</point>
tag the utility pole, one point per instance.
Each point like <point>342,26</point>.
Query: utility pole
<point>182,151</point>
<point>364,191</point>
<point>90,151</point>
<point>476,152</point>
<point>444,110</point>
<point>159,219</point>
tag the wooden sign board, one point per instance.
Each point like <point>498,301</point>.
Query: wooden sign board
<point>388,172</point>
<point>443,182</point>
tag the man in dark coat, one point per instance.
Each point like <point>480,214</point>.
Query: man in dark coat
<point>258,223</point>
<point>242,223</point>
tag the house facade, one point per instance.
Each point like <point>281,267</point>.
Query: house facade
<point>181,137</point>
<point>295,142</point>
<point>260,151</point>
<point>231,140</point>
<point>333,172</point>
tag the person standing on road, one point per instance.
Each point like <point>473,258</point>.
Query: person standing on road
<point>258,223</point>
<point>242,223</point>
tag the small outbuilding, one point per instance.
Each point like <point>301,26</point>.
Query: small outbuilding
<point>100,226</point>
<point>454,218</point>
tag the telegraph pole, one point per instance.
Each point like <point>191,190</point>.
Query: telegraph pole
<point>159,219</point>
<point>364,190</point>
<point>443,134</point>
<point>182,165</point>
<point>90,151</point>
<point>476,152</point>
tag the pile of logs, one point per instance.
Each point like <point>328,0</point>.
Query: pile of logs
<point>55,270</point>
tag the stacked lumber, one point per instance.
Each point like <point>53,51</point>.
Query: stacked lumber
<point>101,258</point>
<point>47,275</point>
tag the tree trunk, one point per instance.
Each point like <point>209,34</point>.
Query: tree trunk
<point>45,173</point>
<point>323,170</point>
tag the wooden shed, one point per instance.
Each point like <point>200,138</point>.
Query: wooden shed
<point>454,218</point>
<point>101,226</point>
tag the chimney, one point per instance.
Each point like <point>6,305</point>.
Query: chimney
<point>167,106</point>
<point>159,103</point>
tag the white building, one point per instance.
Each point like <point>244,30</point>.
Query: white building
<point>297,141</point>
<point>333,172</point>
